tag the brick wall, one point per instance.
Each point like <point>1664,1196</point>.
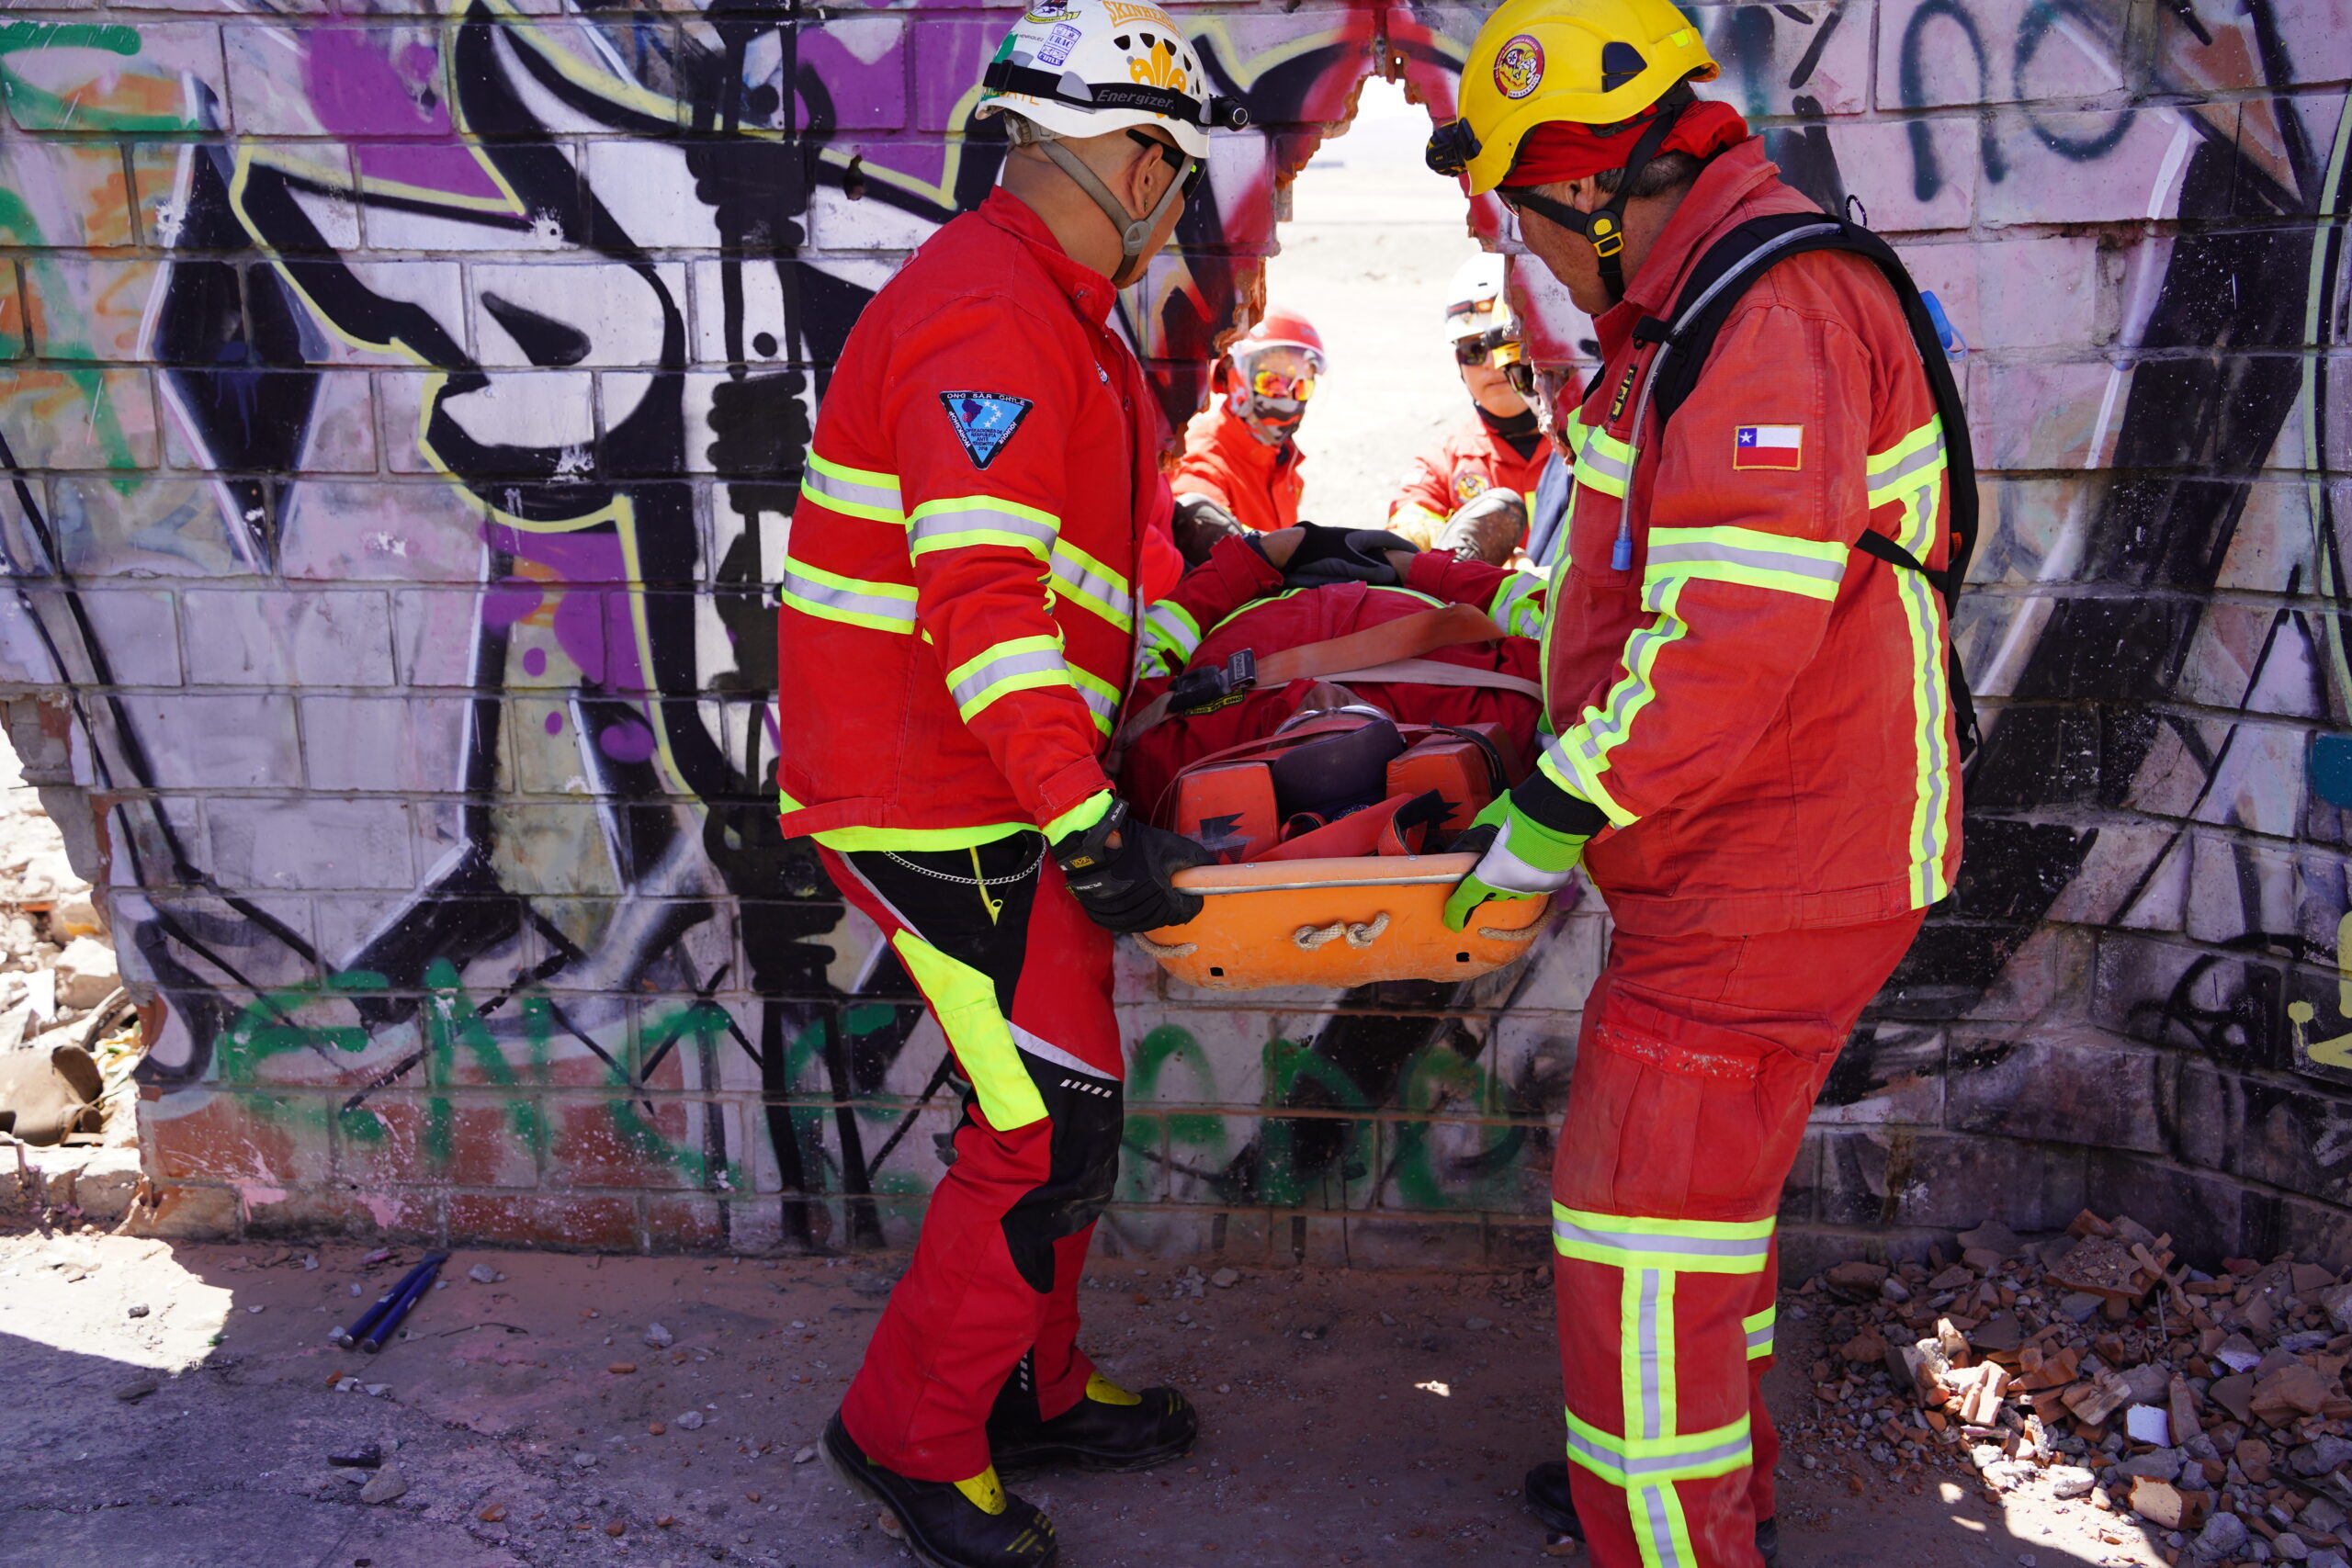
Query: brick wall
<point>402,412</point>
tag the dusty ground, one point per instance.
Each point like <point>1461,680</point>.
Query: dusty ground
<point>1349,1419</point>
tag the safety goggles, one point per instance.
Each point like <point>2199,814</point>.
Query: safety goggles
<point>1281,384</point>
<point>1603,228</point>
<point>1189,169</point>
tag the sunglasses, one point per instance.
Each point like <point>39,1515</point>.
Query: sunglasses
<point>1603,227</point>
<point>1189,170</point>
<point>1482,348</point>
<point>1275,384</point>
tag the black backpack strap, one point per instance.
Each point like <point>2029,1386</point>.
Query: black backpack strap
<point>1713,289</point>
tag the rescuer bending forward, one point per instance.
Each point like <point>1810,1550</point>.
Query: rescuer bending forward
<point>1751,747</point>
<point>958,627</point>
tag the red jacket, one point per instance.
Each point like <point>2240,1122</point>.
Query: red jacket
<point>958,619</point>
<point>1240,600</point>
<point>1759,708</point>
<point>1469,462</point>
<point>1258,483</point>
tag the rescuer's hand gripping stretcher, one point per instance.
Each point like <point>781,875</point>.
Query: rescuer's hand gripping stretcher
<point>1327,744</point>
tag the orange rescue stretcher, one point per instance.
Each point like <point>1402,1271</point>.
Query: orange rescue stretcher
<point>1353,894</point>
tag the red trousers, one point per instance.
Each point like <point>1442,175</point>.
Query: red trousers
<point>1020,980</point>
<point>1695,1074</point>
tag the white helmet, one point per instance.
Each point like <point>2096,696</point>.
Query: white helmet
<point>1083,67</point>
<point>1475,304</point>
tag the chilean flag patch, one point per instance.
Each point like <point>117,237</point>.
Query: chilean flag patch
<point>1768,447</point>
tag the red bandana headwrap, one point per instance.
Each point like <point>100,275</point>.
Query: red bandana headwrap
<point>1562,149</point>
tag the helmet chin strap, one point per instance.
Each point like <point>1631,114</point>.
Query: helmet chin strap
<point>1134,233</point>
<point>1604,226</point>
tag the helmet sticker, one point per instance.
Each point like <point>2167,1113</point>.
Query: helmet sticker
<point>1048,10</point>
<point>1519,66</point>
<point>1157,67</point>
<point>1056,50</point>
<point>984,421</point>
<point>1122,12</point>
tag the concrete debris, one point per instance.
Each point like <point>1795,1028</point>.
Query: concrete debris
<point>660,1337</point>
<point>384,1485</point>
<point>689,1422</point>
<point>483,1274</point>
<point>2213,1407</point>
<point>363,1456</point>
<point>1225,1278</point>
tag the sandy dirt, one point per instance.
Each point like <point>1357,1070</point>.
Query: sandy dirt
<point>1348,1418</point>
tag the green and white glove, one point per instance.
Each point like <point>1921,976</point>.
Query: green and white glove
<point>1528,844</point>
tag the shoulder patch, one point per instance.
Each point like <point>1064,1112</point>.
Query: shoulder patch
<point>1468,484</point>
<point>984,421</point>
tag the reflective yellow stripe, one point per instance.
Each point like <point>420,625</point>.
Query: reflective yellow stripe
<point>1916,460</point>
<point>951,523</point>
<point>1574,431</point>
<point>854,492</point>
<point>1021,664</point>
<point>1911,472</point>
<point>1516,607</point>
<point>1758,1326</point>
<point>828,595</point>
<point>1605,464</point>
<point>1080,578</point>
<point>1079,817</point>
<point>847,839</point>
<point>1622,1462</point>
<point>1691,1246</point>
<point>1169,631</point>
<point>1101,697</point>
<point>964,1000</point>
<point>1746,556</point>
<point>1576,760</point>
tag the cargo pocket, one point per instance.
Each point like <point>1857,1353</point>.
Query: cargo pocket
<point>964,1000</point>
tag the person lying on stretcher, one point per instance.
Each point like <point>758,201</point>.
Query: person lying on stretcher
<point>1317,618</point>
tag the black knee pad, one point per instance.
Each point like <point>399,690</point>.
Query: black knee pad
<point>1088,1115</point>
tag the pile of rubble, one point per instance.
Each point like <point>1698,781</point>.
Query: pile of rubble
<point>56,964</point>
<point>2213,1411</point>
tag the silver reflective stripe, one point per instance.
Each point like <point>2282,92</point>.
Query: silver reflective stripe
<point>1078,577</point>
<point>1608,1461</point>
<point>832,487</point>
<point>933,526</point>
<point>1652,1419</point>
<point>901,611</point>
<point>1687,1245</point>
<point>1043,659</point>
<point>1931,455</point>
<point>1045,1051</point>
<point>1760,1339</point>
<point>1795,565</point>
<point>1661,1531</point>
<point>1608,464</point>
<point>1106,709</point>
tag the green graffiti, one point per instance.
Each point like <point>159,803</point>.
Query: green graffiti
<point>37,108</point>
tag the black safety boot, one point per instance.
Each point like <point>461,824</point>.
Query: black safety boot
<point>1107,1430</point>
<point>948,1524</point>
<point>1547,1491</point>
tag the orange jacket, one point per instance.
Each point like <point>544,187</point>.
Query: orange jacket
<point>1757,708</point>
<point>1258,483</point>
<point>958,617</point>
<point>1469,462</point>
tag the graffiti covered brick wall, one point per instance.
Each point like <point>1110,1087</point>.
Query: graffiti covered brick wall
<point>404,412</point>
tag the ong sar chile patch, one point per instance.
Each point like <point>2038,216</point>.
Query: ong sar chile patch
<point>984,421</point>
<point>1768,447</point>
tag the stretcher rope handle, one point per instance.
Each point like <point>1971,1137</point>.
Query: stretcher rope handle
<point>1523,933</point>
<point>1172,949</point>
<point>1309,938</point>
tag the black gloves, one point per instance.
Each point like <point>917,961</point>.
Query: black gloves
<point>1343,555</point>
<point>1121,871</point>
<point>1198,524</point>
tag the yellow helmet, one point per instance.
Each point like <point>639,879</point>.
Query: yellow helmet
<point>1591,62</point>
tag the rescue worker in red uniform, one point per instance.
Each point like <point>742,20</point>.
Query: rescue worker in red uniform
<point>1471,495</point>
<point>1752,747</point>
<point>958,626</point>
<point>1239,471</point>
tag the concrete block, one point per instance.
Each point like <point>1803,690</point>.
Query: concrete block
<point>253,637</point>
<point>2041,415</point>
<point>600,1223</point>
<point>218,741</point>
<point>187,1211</point>
<point>1816,52</point>
<point>1887,1073</point>
<point>2283,1136</point>
<point>608,313</point>
<point>2047,979</point>
<point>1931,56</point>
<point>306,421</point>
<point>862,61</point>
<point>72,191</point>
<point>84,419</point>
<point>2068,1085</point>
<point>2134,875</point>
<point>358,530</point>
<point>135,632</point>
<point>91,309</point>
<point>2209,1216</point>
<point>649,194</point>
<point>142,525</point>
<point>2243,894</point>
<point>413,743</point>
<point>1914,176</point>
<point>12,316</point>
<point>1951,1181</point>
<point>575,49</point>
<point>166,175</point>
<point>2170,994</point>
<point>388,83</point>
<point>321,843</point>
<point>242,1137</point>
<point>2059,166</point>
<point>397,1140</point>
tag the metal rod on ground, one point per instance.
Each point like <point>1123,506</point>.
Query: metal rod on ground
<point>346,1338</point>
<point>391,1320</point>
